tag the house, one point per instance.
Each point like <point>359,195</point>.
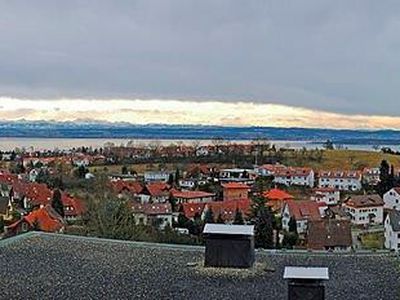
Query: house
<point>129,189</point>
<point>33,174</point>
<point>32,194</point>
<point>364,209</point>
<point>303,212</point>
<point>155,192</point>
<point>340,180</point>
<point>155,214</point>
<point>191,196</point>
<point>235,191</point>
<point>237,175</point>
<point>6,208</point>
<point>392,230</point>
<point>329,196</point>
<point>329,234</point>
<point>42,219</point>
<point>294,176</point>
<point>73,207</point>
<point>269,170</point>
<point>276,199</point>
<point>371,176</point>
<point>391,199</point>
<point>160,176</point>
<point>225,209</point>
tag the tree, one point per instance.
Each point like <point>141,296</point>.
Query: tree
<point>220,220</point>
<point>328,145</point>
<point>238,218</point>
<point>177,176</point>
<point>209,216</point>
<point>124,169</point>
<point>170,179</point>
<point>262,219</point>
<point>292,225</point>
<point>289,240</point>
<point>182,221</point>
<point>56,202</point>
<point>386,177</point>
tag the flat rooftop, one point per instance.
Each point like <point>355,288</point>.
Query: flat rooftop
<point>38,265</point>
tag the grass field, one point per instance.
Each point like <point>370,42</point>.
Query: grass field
<point>331,160</point>
<point>373,241</point>
<point>352,160</point>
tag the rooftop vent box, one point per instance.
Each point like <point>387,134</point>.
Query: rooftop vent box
<point>229,246</point>
<point>306,283</point>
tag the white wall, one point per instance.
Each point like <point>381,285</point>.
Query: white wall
<point>391,238</point>
<point>392,200</point>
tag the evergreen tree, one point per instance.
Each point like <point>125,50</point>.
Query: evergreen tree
<point>170,179</point>
<point>1,224</point>
<point>262,218</point>
<point>386,177</point>
<point>238,218</point>
<point>292,225</point>
<point>209,216</point>
<point>124,170</point>
<point>56,202</point>
<point>177,176</point>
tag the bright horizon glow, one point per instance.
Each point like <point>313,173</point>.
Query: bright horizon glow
<point>186,113</point>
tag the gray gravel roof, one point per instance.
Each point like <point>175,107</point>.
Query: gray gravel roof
<point>62,267</point>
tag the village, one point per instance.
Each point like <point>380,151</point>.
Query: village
<point>292,207</point>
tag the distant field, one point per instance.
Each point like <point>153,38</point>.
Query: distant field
<point>332,159</point>
<point>348,160</point>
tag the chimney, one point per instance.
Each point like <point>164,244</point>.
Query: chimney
<point>229,246</point>
<point>306,283</point>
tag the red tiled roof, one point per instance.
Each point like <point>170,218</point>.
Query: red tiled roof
<point>157,188</point>
<point>329,233</point>
<point>305,209</point>
<point>235,185</point>
<point>191,209</point>
<point>46,218</point>
<point>133,187</point>
<point>277,194</point>
<point>78,208</point>
<point>365,201</point>
<point>292,171</point>
<point>340,174</point>
<point>226,209</point>
<point>190,194</point>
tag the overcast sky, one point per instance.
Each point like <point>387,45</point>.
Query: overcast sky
<point>336,56</point>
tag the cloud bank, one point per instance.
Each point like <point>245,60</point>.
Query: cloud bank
<point>186,112</point>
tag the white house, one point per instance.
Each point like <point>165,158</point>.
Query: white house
<point>187,183</point>
<point>33,174</point>
<point>364,209</point>
<point>328,196</point>
<point>156,176</point>
<point>294,176</point>
<point>237,175</point>
<point>392,199</point>
<point>392,230</point>
<point>340,180</point>
<point>371,176</point>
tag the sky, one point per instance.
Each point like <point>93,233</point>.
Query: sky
<point>311,63</point>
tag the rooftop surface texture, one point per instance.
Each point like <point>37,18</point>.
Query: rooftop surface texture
<point>44,266</point>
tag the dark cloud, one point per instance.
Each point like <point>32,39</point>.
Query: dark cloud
<point>340,55</point>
